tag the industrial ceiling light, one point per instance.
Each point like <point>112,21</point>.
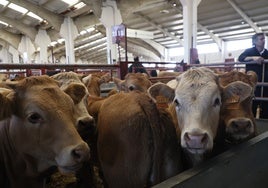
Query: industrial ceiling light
<point>164,11</point>
<point>4,2</point>
<point>17,8</point>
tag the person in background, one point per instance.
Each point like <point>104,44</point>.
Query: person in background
<point>256,56</point>
<point>137,67</point>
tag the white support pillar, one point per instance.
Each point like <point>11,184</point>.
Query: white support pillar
<point>224,52</point>
<point>110,16</point>
<point>26,48</point>
<point>189,26</point>
<point>4,55</point>
<point>69,32</point>
<point>42,40</point>
<point>15,54</point>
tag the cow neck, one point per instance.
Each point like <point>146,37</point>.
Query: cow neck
<point>19,162</point>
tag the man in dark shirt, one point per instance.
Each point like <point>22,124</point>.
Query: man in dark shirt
<point>255,57</point>
<point>137,67</point>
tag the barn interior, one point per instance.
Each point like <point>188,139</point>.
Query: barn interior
<point>87,36</point>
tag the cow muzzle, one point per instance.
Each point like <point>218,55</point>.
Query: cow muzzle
<point>71,158</point>
<point>196,143</point>
<point>239,129</point>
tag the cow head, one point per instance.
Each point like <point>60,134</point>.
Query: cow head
<point>70,83</point>
<point>133,81</point>
<point>42,125</point>
<point>237,118</point>
<point>94,81</point>
<point>197,101</point>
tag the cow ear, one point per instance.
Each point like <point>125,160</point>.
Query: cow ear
<point>76,92</point>
<point>119,83</point>
<point>105,78</point>
<point>87,79</point>
<point>237,91</point>
<point>159,90</point>
<point>253,77</point>
<point>6,102</point>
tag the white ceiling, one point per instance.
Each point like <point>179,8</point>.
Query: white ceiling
<point>218,20</point>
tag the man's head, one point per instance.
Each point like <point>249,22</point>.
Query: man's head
<point>136,59</point>
<point>258,40</point>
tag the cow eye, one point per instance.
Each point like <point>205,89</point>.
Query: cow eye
<point>34,118</point>
<point>177,103</point>
<point>131,88</point>
<point>217,102</point>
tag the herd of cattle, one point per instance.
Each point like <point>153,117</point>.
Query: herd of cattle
<point>138,136</point>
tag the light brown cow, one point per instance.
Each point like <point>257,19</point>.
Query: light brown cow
<point>71,83</point>
<point>236,117</point>
<point>197,101</point>
<point>37,132</point>
<point>133,81</point>
<point>137,143</point>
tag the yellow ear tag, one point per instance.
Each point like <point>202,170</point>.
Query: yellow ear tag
<point>233,102</point>
<point>233,99</point>
<point>161,101</point>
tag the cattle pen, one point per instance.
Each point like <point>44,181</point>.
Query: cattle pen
<point>244,166</point>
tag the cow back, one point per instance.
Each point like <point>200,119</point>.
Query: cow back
<point>137,144</point>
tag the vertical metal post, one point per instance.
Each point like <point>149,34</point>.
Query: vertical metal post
<point>262,79</point>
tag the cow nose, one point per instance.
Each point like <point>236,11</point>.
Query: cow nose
<point>241,124</point>
<point>196,141</point>
<point>86,127</point>
<point>81,153</point>
<point>85,121</point>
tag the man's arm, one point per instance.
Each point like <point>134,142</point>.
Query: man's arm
<point>247,56</point>
<point>257,59</point>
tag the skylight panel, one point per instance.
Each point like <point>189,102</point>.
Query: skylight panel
<point>17,8</point>
<point>61,40</point>
<point>3,23</point>
<point>79,5</point>
<point>34,16</point>
<point>70,2</point>
<point>3,2</point>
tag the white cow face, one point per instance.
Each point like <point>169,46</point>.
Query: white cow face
<point>197,108</point>
<point>197,100</point>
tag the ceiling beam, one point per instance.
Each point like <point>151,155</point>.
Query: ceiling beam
<point>164,31</point>
<point>54,19</point>
<point>96,6</point>
<point>98,54</point>
<point>244,16</point>
<point>93,54</point>
<point>216,39</point>
<point>12,39</point>
<point>154,4</point>
<point>85,52</point>
<point>139,42</point>
<point>86,21</point>
<point>26,30</point>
